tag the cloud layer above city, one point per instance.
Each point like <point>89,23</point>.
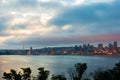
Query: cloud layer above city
<point>43,23</point>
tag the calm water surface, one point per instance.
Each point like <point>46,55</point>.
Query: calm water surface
<point>55,64</point>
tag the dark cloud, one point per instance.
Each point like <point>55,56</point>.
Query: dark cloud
<point>19,26</point>
<point>95,15</point>
<point>31,3</point>
<point>40,41</point>
<point>48,41</point>
<point>4,34</point>
<point>51,5</point>
<point>3,25</point>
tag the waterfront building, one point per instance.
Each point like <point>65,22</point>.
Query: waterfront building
<point>110,46</point>
<point>100,46</point>
<point>30,51</point>
<point>115,45</point>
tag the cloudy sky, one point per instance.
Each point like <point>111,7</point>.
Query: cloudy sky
<point>43,23</point>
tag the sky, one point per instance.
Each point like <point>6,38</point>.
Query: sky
<point>45,23</point>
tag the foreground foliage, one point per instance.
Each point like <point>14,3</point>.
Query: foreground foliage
<point>110,74</point>
<point>75,73</point>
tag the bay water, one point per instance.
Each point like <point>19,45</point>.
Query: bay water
<point>58,64</point>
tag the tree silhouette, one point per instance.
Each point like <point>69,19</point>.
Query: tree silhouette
<point>86,79</point>
<point>76,74</point>
<point>110,74</point>
<point>13,75</point>
<point>26,73</point>
<point>102,75</point>
<point>58,77</point>
<point>43,74</point>
<point>116,71</point>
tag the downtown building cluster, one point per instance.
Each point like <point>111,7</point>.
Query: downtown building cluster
<point>111,49</point>
<point>85,49</point>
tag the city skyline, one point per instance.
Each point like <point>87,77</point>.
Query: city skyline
<point>80,49</point>
<point>42,23</point>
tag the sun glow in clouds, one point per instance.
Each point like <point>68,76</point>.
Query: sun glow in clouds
<point>66,27</point>
<point>78,2</point>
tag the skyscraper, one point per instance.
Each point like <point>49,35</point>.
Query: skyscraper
<point>110,46</point>
<point>31,50</point>
<point>100,46</point>
<point>115,45</point>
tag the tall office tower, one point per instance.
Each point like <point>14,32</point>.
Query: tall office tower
<point>80,47</point>
<point>31,51</point>
<point>100,46</point>
<point>115,45</point>
<point>76,48</point>
<point>84,48</point>
<point>110,46</point>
